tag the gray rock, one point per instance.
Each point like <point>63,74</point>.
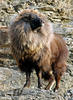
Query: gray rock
<point>9,79</point>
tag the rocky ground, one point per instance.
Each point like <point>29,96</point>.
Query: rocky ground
<point>60,13</point>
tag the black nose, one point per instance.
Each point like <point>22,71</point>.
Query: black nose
<point>35,22</point>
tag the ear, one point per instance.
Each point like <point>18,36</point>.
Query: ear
<point>50,26</point>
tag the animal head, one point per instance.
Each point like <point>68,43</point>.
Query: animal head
<point>33,21</point>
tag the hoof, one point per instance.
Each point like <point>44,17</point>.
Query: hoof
<point>55,89</point>
<point>40,86</point>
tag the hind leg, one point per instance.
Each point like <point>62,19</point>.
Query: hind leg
<point>51,81</point>
<point>58,70</point>
<point>57,79</point>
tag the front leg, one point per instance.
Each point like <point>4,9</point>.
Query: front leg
<point>39,79</point>
<point>27,84</point>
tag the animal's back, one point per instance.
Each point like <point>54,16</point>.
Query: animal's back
<point>59,48</point>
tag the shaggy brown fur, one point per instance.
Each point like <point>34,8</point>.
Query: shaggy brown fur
<point>35,46</point>
<point>3,35</point>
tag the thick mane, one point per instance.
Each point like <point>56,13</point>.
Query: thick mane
<point>23,28</point>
